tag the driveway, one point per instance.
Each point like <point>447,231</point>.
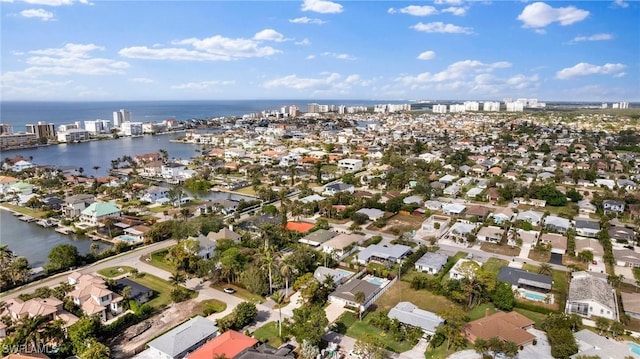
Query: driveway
<point>416,352</point>
<point>334,311</point>
<point>540,350</point>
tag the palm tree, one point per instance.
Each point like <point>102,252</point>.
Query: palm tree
<point>359,297</point>
<point>96,168</point>
<point>286,270</point>
<point>615,280</point>
<point>278,297</point>
<point>94,247</point>
<point>28,330</point>
<point>177,278</point>
<point>545,268</point>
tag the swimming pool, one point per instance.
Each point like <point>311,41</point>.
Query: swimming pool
<point>634,348</point>
<point>128,238</point>
<point>534,296</point>
<point>376,281</point>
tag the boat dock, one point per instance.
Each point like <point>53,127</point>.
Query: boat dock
<point>26,218</point>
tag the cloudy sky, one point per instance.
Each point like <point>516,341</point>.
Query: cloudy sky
<point>319,49</point>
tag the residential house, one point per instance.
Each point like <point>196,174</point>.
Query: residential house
<point>589,244</point>
<point>183,339</point>
<point>464,268</point>
<point>98,211</point>
<point>6,182</point>
<point>556,224</point>
<point>480,212</point>
<point>350,165</point>
<point>342,245</point>
<point>631,304</point>
<point>50,308</point>
<point>139,292</point>
<point>224,233</point>
<point>172,170</point>
<point>460,231</point>
<point>626,258</point>
<point>435,226</point>
<point>227,345</point>
<point>22,165</point>
<point>612,206</point>
<point>502,214</point>
<point>521,279</point>
<point>628,185</point>
<point>316,238</point>
<point>453,209</point>
<point>408,314</point>
<point>345,294</point>
<point>592,345</point>
<point>493,195</point>
<point>532,217</point>
<point>622,234</point>
<point>591,296</point>
<point>331,189</point>
<point>413,200</point>
<point>490,234</point>
<point>383,254</point>
<point>93,297</point>
<point>154,194</point>
<point>585,207</point>
<point>74,205</point>
<point>510,327</point>
<point>557,242</point>
<point>339,276</point>
<point>206,246</point>
<point>264,351</point>
<point>152,169</point>
<point>372,213</point>
<point>431,263</point>
<point>587,228</point>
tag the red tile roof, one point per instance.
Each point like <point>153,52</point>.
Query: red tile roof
<point>302,227</point>
<point>228,344</point>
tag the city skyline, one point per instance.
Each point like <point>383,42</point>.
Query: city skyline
<point>317,49</point>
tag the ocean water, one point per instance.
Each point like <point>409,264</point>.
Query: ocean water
<point>21,113</point>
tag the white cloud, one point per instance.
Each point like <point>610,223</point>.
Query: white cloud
<point>456,10</point>
<point>539,15</point>
<point>215,48</point>
<point>37,13</point>
<point>327,83</point>
<point>440,27</point>
<point>56,2</point>
<point>594,37</point>
<point>143,80</point>
<point>303,42</point>
<point>269,35</point>
<point>321,6</point>
<point>415,10</point>
<point>311,57</point>
<point>460,70</point>
<point>202,85</point>
<point>339,56</point>
<point>307,20</point>
<point>448,2</point>
<point>427,55</point>
<point>621,3</point>
<point>585,69</point>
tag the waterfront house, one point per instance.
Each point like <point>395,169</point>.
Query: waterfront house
<point>6,182</point>
<point>155,194</point>
<point>172,170</point>
<point>591,296</point>
<point>98,211</point>
<point>410,315</point>
<point>74,205</point>
<point>183,339</point>
<point>22,165</point>
<point>50,308</point>
<point>93,297</point>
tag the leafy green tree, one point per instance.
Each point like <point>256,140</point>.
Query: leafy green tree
<point>602,324</point>
<point>454,319</point>
<point>85,329</point>
<point>503,297</point>
<point>370,347</point>
<point>481,346</point>
<point>359,297</point>
<point>95,350</point>
<point>244,313</point>
<point>255,280</point>
<point>308,350</point>
<point>309,323</point>
<point>63,256</point>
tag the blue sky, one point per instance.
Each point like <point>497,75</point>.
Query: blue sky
<point>317,49</point>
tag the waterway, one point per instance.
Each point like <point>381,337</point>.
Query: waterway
<point>35,242</point>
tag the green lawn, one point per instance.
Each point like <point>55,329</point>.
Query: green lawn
<point>25,210</point>
<point>113,272</point>
<point>160,209</point>
<point>210,306</point>
<point>493,265</point>
<point>161,287</point>
<point>479,311</point>
<point>423,299</point>
<point>560,287</point>
<point>268,333</point>
<point>537,318</point>
<point>441,352</point>
<point>157,260</point>
<point>360,329</point>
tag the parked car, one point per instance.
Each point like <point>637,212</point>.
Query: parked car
<point>229,290</point>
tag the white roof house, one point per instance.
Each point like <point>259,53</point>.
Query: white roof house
<point>381,253</point>
<point>453,208</point>
<point>407,313</point>
<point>591,296</point>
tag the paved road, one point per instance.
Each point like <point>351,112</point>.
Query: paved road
<point>130,258</point>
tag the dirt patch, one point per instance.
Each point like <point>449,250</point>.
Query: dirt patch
<point>500,249</point>
<point>401,223</point>
<point>133,339</point>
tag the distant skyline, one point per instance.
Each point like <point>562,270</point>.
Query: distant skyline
<point>82,50</point>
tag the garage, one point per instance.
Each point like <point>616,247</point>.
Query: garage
<point>556,258</point>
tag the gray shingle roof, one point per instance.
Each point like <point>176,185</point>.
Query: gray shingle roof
<point>516,276</point>
<point>432,260</point>
<point>409,314</point>
<point>184,336</point>
<point>582,223</point>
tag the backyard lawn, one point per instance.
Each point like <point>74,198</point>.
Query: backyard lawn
<point>423,299</point>
<point>360,329</point>
<point>25,210</point>
<point>493,265</point>
<point>158,260</point>
<point>479,311</point>
<point>161,287</point>
<point>268,333</point>
<point>113,272</point>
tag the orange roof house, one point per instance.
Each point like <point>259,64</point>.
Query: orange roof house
<point>227,345</point>
<point>302,227</point>
<point>510,326</point>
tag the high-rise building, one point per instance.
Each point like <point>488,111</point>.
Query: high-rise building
<point>492,106</point>
<point>472,106</point>
<point>6,129</point>
<point>514,106</point>
<point>439,108</point>
<point>42,130</point>
<point>121,116</point>
<point>457,107</point>
<point>98,126</point>
<point>313,108</point>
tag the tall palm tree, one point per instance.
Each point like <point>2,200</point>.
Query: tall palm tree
<point>359,297</point>
<point>96,168</point>
<point>286,270</point>
<point>278,297</point>
<point>28,330</point>
<point>177,278</point>
<point>545,268</point>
